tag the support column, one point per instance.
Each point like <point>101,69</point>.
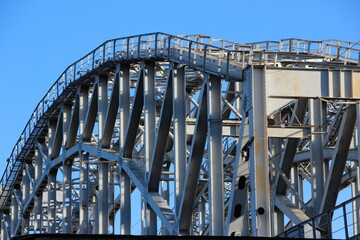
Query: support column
<point>165,194</point>
<point>259,161</point>
<point>67,199</point>
<point>111,198</point>
<point>295,183</point>
<point>124,105</point>
<point>95,213</point>
<point>316,150</point>
<point>202,214</point>
<point>125,207</point>
<point>67,174</point>
<point>38,214</point>
<point>215,158</point>
<point>355,191</point>
<point>84,223</point>
<point>125,185</point>
<point>4,226</point>
<point>356,183</point>
<point>103,204</point>
<point>51,207</point>
<point>103,171</point>
<point>149,135</point>
<point>15,200</point>
<point>52,201</point>
<point>25,196</point>
<point>179,121</point>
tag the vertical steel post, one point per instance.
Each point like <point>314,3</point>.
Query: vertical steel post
<point>202,216</point>
<point>316,150</point>
<point>259,161</point>
<point>149,135</point>
<point>52,201</point>
<point>215,157</point>
<point>51,208</point>
<point>124,104</point>
<point>67,198</point>
<point>164,189</point>
<point>103,204</point>
<point>125,207</point>
<point>103,179</point>
<point>179,115</point>
<point>4,229</point>
<point>111,198</point>
<point>14,210</point>
<point>84,223</point>
<point>356,184</point>
<point>125,186</point>
<point>38,215</point>
<point>67,175</point>
<point>25,196</point>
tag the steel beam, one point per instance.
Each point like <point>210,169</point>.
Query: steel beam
<point>161,137</point>
<point>259,162</point>
<point>125,204</point>
<point>194,164</point>
<point>38,214</point>
<point>84,219</point>
<point>215,158</point>
<point>103,179</point>
<point>25,196</point>
<point>316,149</point>
<point>134,121</point>
<point>237,219</point>
<point>179,122</point>
<point>343,142</point>
<point>149,135</point>
<point>51,201</point>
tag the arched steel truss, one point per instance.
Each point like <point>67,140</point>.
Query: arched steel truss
<point>218,137</point>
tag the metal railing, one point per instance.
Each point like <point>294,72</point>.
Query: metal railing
<point>335,50</point>
<point>338,223</point>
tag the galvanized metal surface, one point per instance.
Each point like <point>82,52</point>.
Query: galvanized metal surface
<point>219,138</point>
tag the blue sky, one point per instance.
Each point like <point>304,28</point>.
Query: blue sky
<point>39,39</point>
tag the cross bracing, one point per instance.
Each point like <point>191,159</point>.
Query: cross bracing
<point>219,138</point>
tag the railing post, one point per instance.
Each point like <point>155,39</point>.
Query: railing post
<point>227,65</point>
<point>74,72</point>
<point>329,225</point>
<point>114,49</point>
<point>139,42</point>
<point>205,49</point>
<point>156,42</point>
<point>103,55</point>
<point>190,43</point>
<point>345,222</point>
<point>93,60</point>
<point>127,47</point>
<point>169,42</point>
<point>338,53</point>
<point>313,228</point>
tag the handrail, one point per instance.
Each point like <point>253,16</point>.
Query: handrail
<point>161,43</point>
<point>298,231</point>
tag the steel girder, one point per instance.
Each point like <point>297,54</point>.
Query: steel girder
<point>212,147</point>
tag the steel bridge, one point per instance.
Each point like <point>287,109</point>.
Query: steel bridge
<point>218,138</point>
